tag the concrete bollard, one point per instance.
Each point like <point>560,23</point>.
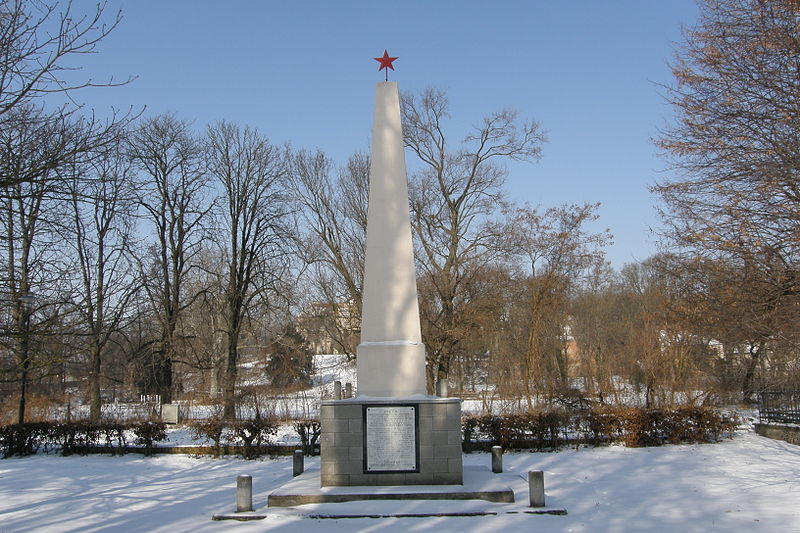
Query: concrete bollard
<point>298,465</point>
<point>497,459</point>
<point>441,388</point>
<point>337,390</point>
<point>536,488</point>
<point>348,390</point>
<point>244,494</point>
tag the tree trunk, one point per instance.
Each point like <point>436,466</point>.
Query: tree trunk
<point>94,384</point>
<point>23,390</point>
<point>747,382</point>
<point>163,370</point>
<point>166,380</point>
<point>25,364</point>
<point>430,372</point>
<point>229,380</point>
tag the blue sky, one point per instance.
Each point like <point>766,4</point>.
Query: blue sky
<point>303,72</point>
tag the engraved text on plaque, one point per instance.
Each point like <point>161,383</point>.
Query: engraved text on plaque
<point>390,439</point>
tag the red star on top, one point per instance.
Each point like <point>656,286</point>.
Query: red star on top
<point>385,62</point>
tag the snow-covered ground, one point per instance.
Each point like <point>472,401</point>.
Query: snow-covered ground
<point>746,484</point>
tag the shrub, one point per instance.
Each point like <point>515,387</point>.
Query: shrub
<point>252,434</point>
<point>309,431</point>
<point>634,427</point>
<point>114,436</point>
<point>148,434</point>
<point>603,426</point>
<point>24,439</point>
<point>539,430</point>
<point>468,425</point>
<point>697,424</point>
<point>75,437</point>
<point>500,429</point>
<point>545,429</point>
<point>643,427</point>
<point>213,429</point>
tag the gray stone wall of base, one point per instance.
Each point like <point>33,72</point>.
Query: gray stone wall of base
<point>342,443</point>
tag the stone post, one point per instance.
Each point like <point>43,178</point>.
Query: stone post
<point>244,494</point>
<point>441,388</point>
<point>298,465</point>
<point>497,459</point>
<point>536,488</point>
<point>337,390</point>
<point>348,390</point>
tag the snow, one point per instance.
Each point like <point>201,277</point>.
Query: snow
<point>333,367</point>
<point>746,484</point>
<point>185,436</point>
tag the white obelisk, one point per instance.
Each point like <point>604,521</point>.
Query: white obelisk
<point>391,356</point>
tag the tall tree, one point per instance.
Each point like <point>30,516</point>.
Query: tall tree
<point>31,253</point>
<point>557,251</point>
<point>99,231</point>
<point>255,227</point>
<point>333,207</point>
<point>174,202</point>
<point>735,151</point>
<point>455,189</point>
<point>37,42</point>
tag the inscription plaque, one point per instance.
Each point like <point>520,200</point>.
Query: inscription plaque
<point>391,439</point>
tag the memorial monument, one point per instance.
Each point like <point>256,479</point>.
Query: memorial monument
<point>391,432</point>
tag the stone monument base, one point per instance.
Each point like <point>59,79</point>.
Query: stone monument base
<point>479,484</point>
<point>391,441</point>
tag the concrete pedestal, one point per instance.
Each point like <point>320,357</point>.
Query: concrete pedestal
<point>343,442</point>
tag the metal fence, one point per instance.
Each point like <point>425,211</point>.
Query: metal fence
<point>779,406</point>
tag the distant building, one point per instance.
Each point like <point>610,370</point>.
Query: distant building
<point>330,328</point>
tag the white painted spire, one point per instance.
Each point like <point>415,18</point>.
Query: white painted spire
<point>391,356</point>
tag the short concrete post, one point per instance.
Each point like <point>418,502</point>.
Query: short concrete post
<point>536,488</point>
<point>298,465</point>
<point>244,494</point>
<point>348,390</point>
<point>497,459</point>
<point>441,388</point>
<point>337,390</point>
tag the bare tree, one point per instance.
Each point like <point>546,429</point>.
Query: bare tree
<point>734,203</point>
<point>33,273</point>
<point>731,304</point>
<point>173,199</point>
<point>33,55</point>
<point>255,229</point>
<point>99,232</point>
<point>333,207</point>
<point>598,331</point>
<point>454,192</point>
<point>37,41</point>
<point>557,252</point>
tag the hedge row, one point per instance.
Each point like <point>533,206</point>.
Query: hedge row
<point>250,436</point>
<point>77,437</point>
<point>253,434</point>
<point>549,430</point>
<point>633,427</point>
